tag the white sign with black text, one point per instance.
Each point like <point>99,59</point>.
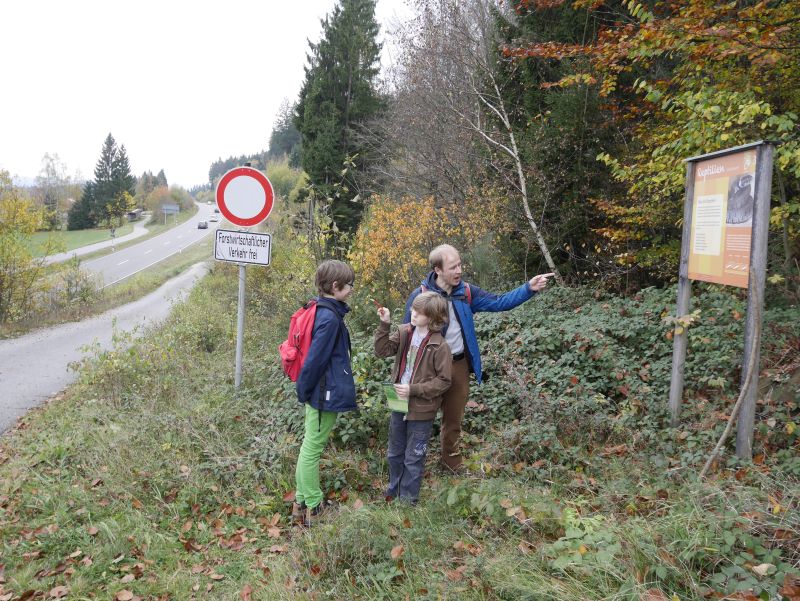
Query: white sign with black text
<point>242,247</point>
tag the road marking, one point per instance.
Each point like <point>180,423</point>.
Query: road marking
<point>123,263</point>
<point>148,251</point>
<point>168,242</point>
<point>179,237</point>
<point>156,261</point>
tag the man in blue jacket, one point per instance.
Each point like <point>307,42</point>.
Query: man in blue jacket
<point>463,300</point>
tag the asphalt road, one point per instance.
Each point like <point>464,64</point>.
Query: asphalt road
<point>33,367</point>
<point>124,263</point>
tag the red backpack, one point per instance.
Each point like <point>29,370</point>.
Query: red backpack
<point>294,349</point>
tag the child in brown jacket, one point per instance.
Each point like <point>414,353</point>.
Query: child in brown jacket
<point>421,375</point>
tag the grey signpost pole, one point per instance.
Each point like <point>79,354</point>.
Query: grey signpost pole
<point>240,328</point>
<point>682,308</point>
<point>755,299</point>
<point>244,196</point>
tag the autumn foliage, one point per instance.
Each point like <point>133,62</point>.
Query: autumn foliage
<point>390,251</point>
<point>679,78</point>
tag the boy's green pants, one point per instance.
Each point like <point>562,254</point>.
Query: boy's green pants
<point>315,438</point>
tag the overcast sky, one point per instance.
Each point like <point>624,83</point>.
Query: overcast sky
<point>180,83</point>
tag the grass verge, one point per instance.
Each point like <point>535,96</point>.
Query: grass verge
<point>128,290</point>
<point>153,478</point>
<point>70,240</point>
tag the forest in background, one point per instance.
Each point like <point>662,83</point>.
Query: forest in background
<point>545,136</point>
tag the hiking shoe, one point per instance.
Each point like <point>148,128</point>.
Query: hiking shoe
<point>298,513</point>
<point>313,514</point>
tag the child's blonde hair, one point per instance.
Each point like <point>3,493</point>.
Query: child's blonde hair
<point>331,271</point>
<point>434,307</point>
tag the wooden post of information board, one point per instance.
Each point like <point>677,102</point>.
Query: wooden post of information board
<point>755,299</point>
<point>682,308</point>
<point>712,250</point>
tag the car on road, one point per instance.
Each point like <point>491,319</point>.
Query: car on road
<point>202,225</point>
<point>214,218</point>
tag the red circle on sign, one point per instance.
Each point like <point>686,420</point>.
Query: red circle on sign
<point>263,205</point>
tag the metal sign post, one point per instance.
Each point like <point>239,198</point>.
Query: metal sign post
<point>725,229</point>
<point>242,248</point>
<point>237,378</point>
<point>244,196</point>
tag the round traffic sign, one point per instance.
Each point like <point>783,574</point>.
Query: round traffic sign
<point>244,196</point>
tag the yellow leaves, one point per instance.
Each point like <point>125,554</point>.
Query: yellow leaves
<point>392,244</point>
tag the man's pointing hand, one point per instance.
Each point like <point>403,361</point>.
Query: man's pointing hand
<point>538,282</point>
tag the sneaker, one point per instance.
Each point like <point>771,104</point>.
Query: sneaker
<point>298,513</point>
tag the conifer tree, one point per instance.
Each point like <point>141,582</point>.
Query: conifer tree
<point>104,199</point>
<point>104,187</point>
<point>161,179</point>
<point>338,97</point>
<point>80,216</point>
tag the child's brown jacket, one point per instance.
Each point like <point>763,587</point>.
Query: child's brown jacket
<point>430,378</point>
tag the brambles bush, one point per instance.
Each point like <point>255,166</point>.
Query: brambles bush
<point>578,368</point>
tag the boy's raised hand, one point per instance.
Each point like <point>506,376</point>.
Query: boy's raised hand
<point>384,314</point>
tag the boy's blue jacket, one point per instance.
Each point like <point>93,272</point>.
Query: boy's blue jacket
<point>481,301</point>
<point>326,379</point>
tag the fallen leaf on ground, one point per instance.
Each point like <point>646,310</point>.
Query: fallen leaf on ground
<point>397,551</point>
<point>653,594</point>
<point>58,592</point>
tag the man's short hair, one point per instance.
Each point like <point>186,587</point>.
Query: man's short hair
<point>331,271</point>
<point>434,307</point>
<point>436,258</point>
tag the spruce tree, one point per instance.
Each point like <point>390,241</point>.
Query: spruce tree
<point>108,196</point>
<point>284,139</point>
<point>338,96</point>
<point>124,180</point>
<point>80,216</point>
<point>104,185</point>
<point>161,179</point>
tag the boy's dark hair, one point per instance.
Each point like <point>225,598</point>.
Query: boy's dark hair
<point>434,307</point>
<point>331,271</point>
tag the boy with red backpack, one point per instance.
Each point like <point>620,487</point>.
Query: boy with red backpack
<point>325,381</point>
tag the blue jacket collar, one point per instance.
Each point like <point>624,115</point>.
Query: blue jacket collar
<point>430,284</point>
<point>338,306</point>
